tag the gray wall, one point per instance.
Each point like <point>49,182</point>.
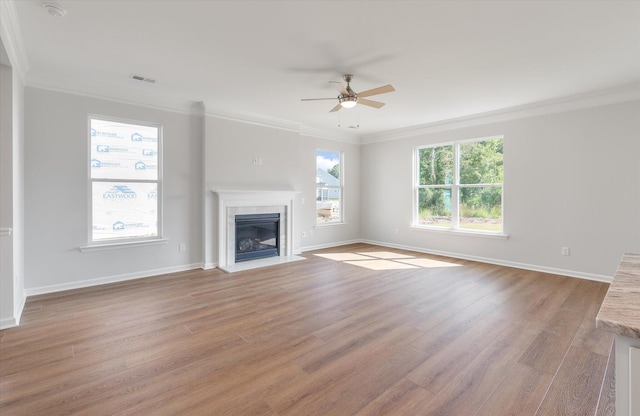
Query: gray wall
<point>570,179</point>
<point>12,296</point>
<point>56,194</point>
<point>288,163</point>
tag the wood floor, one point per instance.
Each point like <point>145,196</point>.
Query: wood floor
<point>355,330</point>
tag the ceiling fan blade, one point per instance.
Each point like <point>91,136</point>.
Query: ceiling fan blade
<point>317,99</point>
<point>336,108</point>
<point>370,103</point>
<point>339,86</point>
<point>376,91</point>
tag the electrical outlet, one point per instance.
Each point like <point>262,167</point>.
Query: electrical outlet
<point>182,247</point>
<point>565,251</point>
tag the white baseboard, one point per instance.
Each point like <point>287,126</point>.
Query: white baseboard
<point>517,265</point>
<point>14,321</point>
<point>7,323</point>
<point>524,266</point>
<point>110,279</point>
<point>330,245</point>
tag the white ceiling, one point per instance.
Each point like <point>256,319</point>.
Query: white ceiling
<point>257,59</point>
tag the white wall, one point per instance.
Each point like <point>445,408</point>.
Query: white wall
<point>12,295</point>
<point>288,163</point>
<point>56,194</point>
<point>571,179</point>
<point>6,198</point>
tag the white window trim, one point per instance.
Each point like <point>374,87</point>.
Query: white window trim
<point>340,187</point>
<point>123,242</point>
<point>455,191</point>
<point>127,244</point>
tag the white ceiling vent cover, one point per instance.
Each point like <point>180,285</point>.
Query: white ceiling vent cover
<point>54,9</point>
<point>143,79</point>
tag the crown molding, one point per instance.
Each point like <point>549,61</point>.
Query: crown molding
<point>149,98</point>
<point>329,135</point>
<point>11,35</point>
<point>271,122</point>
<point>255,119</point>
<point>629,92</point>
<point>142,97</point>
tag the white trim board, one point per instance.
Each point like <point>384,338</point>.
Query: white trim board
<point>524,266</point>
<point>15,320</point>
<point>109,279</point>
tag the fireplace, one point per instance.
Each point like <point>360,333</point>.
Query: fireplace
<point>256,204</point>
<point>257,236</point>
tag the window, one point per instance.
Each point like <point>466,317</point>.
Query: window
<point>125,180</point>
<point>459,185</point>
<point>329,187</point>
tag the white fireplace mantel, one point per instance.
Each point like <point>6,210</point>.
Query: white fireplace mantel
<point>232,202</point>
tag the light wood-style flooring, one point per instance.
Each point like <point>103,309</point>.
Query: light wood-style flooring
<point>354,330</point>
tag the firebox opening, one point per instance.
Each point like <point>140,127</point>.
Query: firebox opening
<point>257,236</point>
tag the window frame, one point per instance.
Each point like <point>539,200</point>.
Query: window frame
<point>124,241</point>
<point>455,187</point>
<point>340,188</point>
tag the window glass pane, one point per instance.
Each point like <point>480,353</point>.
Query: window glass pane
<point>124,210</point>
<point>481,162</point>
<point>436,165</point>
<point>434,207</point>
<point>481,208</point>
<point>328,187</point>
<point>328,205</point>
<point>123,151</point>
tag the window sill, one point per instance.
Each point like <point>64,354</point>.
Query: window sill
<point>498,236</point>
<point>128,244</point>
<point>329,224</point>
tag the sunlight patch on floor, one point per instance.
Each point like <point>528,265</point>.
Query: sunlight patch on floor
<point>386,260</point>
<point>428,263</point>
<point>381,265</point>
<point>344,256</point>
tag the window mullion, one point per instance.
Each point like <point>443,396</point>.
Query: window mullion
<point>455,189</point>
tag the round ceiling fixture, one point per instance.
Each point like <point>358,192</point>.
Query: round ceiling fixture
<point>54,9</point>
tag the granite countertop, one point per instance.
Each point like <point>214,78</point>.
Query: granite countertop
<point>620,309</point>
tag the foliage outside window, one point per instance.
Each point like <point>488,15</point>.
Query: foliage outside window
<point>125,181</point>
<point>329,187</point>
<point>459,185</point>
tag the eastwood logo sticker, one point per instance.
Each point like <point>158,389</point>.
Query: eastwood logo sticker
<point>137,137</point>
<point>119,225</point>
<point>103,148</point>
<point>119,192</point>
<point>96,164</point>
<point>111,134</point>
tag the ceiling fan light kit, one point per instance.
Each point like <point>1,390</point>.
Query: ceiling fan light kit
<point>348,98</point>
<point>348,101</point>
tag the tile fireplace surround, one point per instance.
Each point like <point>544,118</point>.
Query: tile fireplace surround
<point>240,202</point>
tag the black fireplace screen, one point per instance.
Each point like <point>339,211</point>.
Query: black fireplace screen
<point>257,236</point>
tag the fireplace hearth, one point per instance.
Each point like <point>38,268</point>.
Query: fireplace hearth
<point>257,236</point>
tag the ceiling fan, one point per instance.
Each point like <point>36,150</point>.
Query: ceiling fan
<point>348,98</point>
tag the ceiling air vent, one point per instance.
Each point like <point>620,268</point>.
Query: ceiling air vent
<point>143,79</point>
<point>54,9</point>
